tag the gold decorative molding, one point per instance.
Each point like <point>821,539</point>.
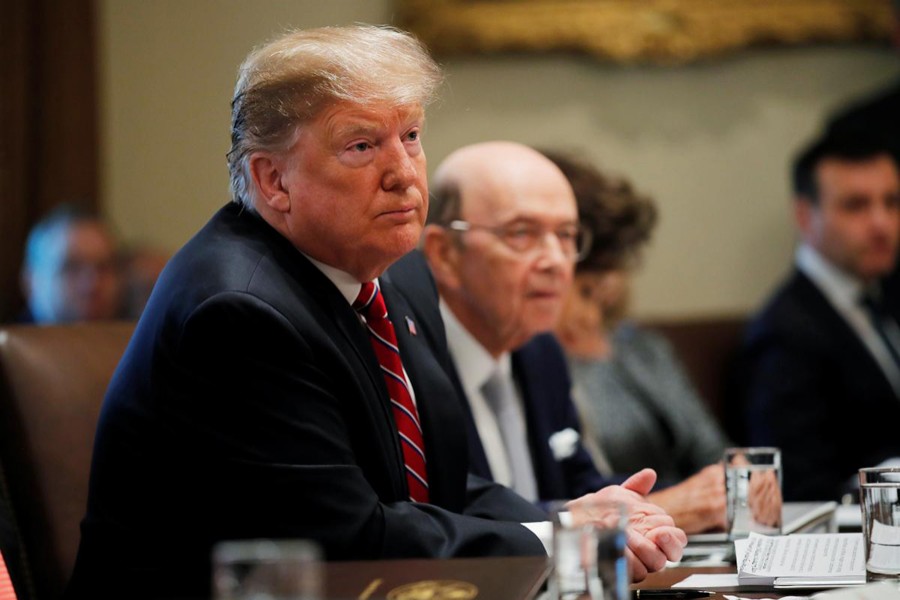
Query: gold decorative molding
<point>639,31</point>
<point>442,589</point>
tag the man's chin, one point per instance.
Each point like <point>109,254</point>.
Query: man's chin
<point>405,238</point>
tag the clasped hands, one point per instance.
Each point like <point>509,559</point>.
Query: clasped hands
<point>651,534</point>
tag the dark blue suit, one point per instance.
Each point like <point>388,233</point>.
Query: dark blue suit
<point>539,367</point>
<point>10,548</point>
<point>814,390</point>
<point>250,404</point>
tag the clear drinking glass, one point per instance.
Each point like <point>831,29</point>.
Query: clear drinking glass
<point>879,500</point>
<point>589,552</point>
<point>267,570</point>
<point>753,491</point>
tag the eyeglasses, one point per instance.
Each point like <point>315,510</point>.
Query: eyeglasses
<point>574,240</point>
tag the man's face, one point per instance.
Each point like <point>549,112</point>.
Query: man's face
<point>357,184</point>
<point>78,279</point>
<point>504,296</point>
<point>856,224</point>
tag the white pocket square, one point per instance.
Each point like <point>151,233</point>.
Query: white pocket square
<point>564,443</point>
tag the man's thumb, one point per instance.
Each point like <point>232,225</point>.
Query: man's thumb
<point>641,482</point>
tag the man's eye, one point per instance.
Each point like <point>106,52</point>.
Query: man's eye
<point>855,204</point>
<point>567,234</point>
<point>521,232</point>
<point>412,136</point>
<point>361,146</point>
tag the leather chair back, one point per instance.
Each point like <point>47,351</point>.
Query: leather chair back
<point>52,383</point>
<point>707,348</point>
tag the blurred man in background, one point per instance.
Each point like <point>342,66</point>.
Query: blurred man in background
<point>877,113</point>
<point>502,242</point>
<point>821,362</point>
<point>70,269</point>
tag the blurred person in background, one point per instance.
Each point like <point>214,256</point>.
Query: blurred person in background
<point>494,206</point>
<point>637,406</point>
<point>140,267</point>
<point>820,362</point>
<point>502,241</point>
<point>878,113</point>
<point>70,269</point>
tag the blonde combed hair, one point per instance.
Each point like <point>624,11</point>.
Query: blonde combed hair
<point>291,79</point>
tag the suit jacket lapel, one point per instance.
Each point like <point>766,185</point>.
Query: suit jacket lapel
<point>353,341</point>
<point>532,383</point>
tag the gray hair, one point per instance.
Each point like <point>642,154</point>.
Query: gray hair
<point>290,80</point>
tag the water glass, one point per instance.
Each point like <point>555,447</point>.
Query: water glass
<point>879,500</point>
<point>753,491</point>
<point>589,552</point>
<point>267,570</point>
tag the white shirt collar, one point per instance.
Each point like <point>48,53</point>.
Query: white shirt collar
<point>473,362</point>
<point>346,283</point>
<point>841,288</point>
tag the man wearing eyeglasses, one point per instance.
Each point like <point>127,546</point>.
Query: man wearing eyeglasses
<point>502,241</point>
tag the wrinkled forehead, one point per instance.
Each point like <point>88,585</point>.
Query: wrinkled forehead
<point>349,118</point>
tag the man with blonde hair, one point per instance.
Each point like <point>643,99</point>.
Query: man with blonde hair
<point>279,384</point>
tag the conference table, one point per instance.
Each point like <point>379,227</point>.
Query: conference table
<point>519,578</point>
<point>523,578</point>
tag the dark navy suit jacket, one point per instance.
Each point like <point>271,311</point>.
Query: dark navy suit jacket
<point>813,389</point>
<point>11,549</point>
<point>540,369</point>
<point>250,404</point>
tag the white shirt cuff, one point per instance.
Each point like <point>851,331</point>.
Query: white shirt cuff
<point>543,530</point>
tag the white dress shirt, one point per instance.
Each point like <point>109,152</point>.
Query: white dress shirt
<point>475,366</point>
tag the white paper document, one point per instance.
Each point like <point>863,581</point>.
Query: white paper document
<point>707,581</point>
<point>801,560</point>
<point>884,551</point>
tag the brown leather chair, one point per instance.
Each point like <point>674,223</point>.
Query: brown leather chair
<point>707,348</point>
<point>52,382</point>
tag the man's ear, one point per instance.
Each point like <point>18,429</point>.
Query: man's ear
<point>803,215</point>
<point>267,171</point>
<point>443,255</point>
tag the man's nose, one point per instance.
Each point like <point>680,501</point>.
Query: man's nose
<point>400,170</point>
<point>553,254</point>
<point>885,217</point>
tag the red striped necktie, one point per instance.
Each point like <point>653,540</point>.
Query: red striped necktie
<point>370,305</point>
<point>6,587</point>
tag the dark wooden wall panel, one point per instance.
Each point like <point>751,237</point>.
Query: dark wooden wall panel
<point>48,122</point>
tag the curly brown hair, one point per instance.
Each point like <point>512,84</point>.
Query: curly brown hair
<point>620,219</point>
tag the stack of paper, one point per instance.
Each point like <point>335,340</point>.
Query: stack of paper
<point>801,560</point>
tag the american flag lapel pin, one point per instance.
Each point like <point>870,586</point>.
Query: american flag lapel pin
<point>411,325</point>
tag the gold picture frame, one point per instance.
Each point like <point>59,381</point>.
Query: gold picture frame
<point>639,31</point>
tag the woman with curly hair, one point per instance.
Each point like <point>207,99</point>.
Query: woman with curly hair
<point>637,405</point>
